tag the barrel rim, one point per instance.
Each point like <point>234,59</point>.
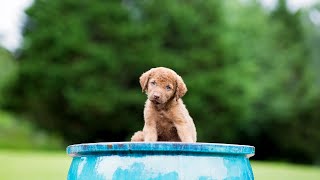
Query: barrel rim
<point>179,147</point>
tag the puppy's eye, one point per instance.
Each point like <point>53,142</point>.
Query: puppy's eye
<point>168,88</point>
<point>153,82</point>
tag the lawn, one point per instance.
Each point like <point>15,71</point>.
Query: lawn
<point>16,165</point>
<point>284,171</point>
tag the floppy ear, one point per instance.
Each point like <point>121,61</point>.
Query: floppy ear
<point>144,78</point>
<point>181,88</point>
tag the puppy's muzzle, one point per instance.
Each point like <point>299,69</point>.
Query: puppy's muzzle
<point>156,97</point>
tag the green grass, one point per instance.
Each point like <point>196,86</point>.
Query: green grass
<point>278,171</point>
<point>24,165</point>
<point>16,165</point>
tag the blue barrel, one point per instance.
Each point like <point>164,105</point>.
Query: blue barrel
<point>160,160</point>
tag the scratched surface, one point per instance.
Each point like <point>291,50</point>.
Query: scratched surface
<point>125,160</point>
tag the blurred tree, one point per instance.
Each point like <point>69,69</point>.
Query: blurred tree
<point>78,74</point>
<point>81,61</point>
<point>283,107</point>
<point>8,72</point>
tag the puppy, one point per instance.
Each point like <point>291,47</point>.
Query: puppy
<point>166,117</point>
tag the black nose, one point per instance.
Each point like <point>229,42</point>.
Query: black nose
<point>155,96</point>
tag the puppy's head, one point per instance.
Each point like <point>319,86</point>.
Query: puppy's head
<point>162,84</point>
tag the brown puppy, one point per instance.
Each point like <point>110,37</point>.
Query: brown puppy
<point>166,117</point>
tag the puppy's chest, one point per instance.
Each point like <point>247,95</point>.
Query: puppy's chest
<point>164,119</point>
<point>163,114</point>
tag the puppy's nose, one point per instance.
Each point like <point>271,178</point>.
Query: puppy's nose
<point>156,96</point>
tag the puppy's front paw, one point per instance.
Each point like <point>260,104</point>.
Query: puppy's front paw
<point>187,140</point>
<point>150,138</point>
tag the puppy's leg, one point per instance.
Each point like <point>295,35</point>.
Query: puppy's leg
<point>194,133</point>
<point>137,137</point>
<point>183,132</point>
<point>150,132</point>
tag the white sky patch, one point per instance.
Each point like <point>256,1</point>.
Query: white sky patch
<point>269,4</point>
<point>293,5</point>
<point>314,16</point>
<point>11,20</point>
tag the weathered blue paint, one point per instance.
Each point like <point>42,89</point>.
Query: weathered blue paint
<point>160,160</point>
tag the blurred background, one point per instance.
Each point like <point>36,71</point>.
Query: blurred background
<point>71,74</point>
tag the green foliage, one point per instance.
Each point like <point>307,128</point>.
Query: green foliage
<point>288,108</point>
<point>248,71</point>
<point>8,71</point>
<point>18,134</point>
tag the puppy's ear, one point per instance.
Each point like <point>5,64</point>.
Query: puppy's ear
<point>144,79</point>
<point>181,88</point>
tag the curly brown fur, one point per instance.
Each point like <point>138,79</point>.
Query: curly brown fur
<point>166,117</point>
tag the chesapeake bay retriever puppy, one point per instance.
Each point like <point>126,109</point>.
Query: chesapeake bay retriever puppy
<point>166,117</point>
